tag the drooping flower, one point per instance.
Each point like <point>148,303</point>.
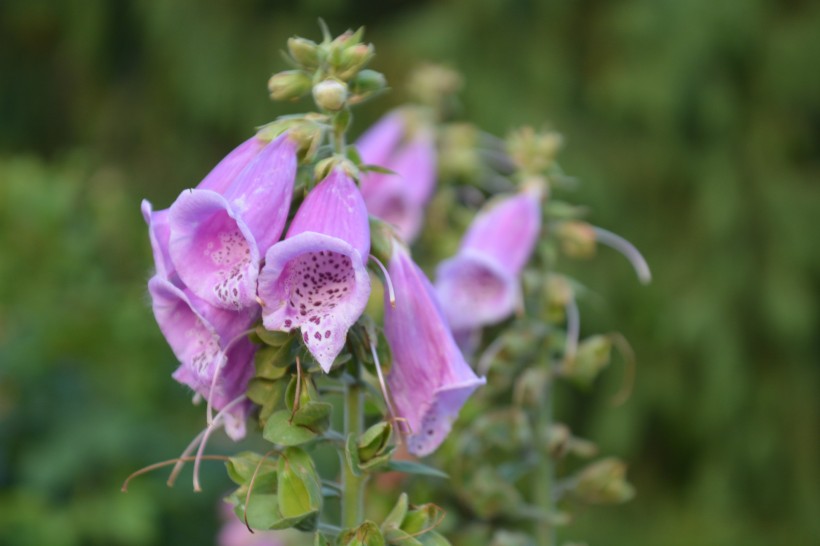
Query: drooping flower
<point>219,232</point>
<point>409,151</point>
<point>430,380</point>
<point>215,357</point>
<point>316,279</point>
<point>480,284</point>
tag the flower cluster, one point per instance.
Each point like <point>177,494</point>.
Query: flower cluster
<point>220,266</point>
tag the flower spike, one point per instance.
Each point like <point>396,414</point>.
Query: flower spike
<point>316,279</point>
<point>429,380</point>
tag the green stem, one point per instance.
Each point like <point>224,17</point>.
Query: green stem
<point>544,472</point>
<point>337,136</point>
<point>352,485</point>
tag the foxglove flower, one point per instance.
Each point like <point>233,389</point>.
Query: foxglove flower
<point>316,279</point>
<point>400,198</point>
<point>479,285</point>
<point>220,231</point>
<point>429,380</point>
<point>215,358</point>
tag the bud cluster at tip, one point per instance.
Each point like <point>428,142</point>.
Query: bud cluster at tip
<point>332,71</point>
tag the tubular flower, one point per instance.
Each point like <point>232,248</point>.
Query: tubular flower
<point>215,356</point>
<point>220,230</point>
<point>429,380</point>
<point>316,279</point>
<point>479,285</point>
<point>409,152</point>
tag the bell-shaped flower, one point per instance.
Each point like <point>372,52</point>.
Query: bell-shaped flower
<point>480,284</point>
<point>316,279</point>
<point>430,380</point>
<point>220,230</point>
<point>407,149</point>
<point>159,232</point>
<point>216,359</point>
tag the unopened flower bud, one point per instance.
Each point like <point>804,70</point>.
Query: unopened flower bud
<point>366,84</point>
<point>289,85</point>
<point>604,482</point>
<point>577,239</point>
<point>330,95</point>
<point>353,59</point>
<point>304,51</point>
<point>592,357</point>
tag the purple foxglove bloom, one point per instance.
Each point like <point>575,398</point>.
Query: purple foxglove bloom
<point>199,334</point>
<point>400,198</point>
<point>316,278</point>
<point>217,240</point>
<point>479,285</point>
<point>429,380</point>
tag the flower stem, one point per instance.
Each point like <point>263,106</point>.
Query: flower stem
<point>352,485</point>
<point>544,472</point>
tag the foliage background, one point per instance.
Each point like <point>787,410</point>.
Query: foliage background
<point>693,126</point>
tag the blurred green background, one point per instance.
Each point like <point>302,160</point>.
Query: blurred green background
<point>693,126</point>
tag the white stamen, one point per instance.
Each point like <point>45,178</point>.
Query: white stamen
<point>627,249</point>
<point>382,383</point>
<point>181,461</point>
<point>573,330</point>
<point>222,359</point>
<point>391,294</point>
<point>206,434</point>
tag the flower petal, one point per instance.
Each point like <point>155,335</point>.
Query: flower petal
<point>317,283</point>
<point>335,207</point>
<point>198,333</point>
<point>213,250</point>
<point>262,192</point>
<point>475,290</point>
<point>506,230</point>
<point>376,145</point>
<point>226,171</point>
<point>429,380</point>
<point>159,232</point>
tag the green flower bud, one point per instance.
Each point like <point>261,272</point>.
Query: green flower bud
<point>577,239</point>
<point>330,95</point>
<point>366,84</point>
<point>592,357</point>
<point>304,51</point>
<point>353,59</point>
<point>289,85</point>
<point>366,534</point>
<point>604,482</point>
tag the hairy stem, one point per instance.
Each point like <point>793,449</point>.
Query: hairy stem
<point>352,485</point>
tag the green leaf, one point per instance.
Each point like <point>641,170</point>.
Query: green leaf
<point>397,537</point>
<point>412,467</point>
<point>366,534</point>
<point>279,430</point>
<point>262,510</point>
<point>313,415</point>
<point>241,468</point>
<point>352,454</point>
<point>300,490</point>
<point>397,514</point>
<point>374,440</point>
<point>274,339</point>
<point>320,540</point>
<point>433,539</point>
<point>273,362</point>
<point>377,169</point>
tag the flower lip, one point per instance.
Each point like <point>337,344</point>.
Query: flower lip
<point>158,233</point>
<point>317,283</point>
<point>475,290</point>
